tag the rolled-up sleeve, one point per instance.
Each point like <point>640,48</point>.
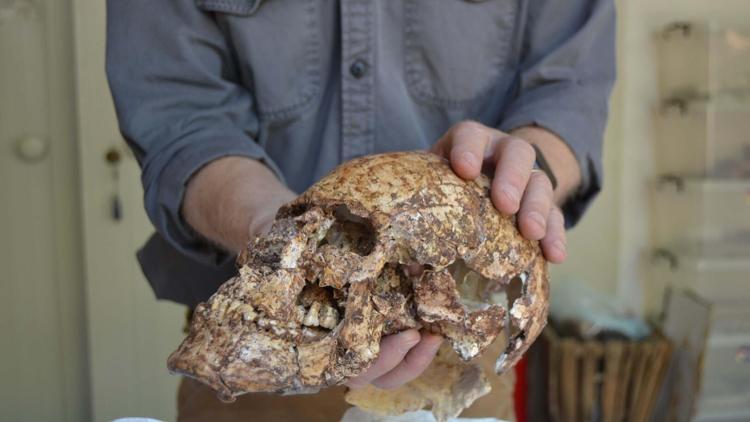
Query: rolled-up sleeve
<point>565,79</point>
<point>179,105</point>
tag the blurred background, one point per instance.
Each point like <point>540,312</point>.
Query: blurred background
<point>84,339</point>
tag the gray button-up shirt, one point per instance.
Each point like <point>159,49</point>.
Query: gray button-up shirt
<point>306,84</point>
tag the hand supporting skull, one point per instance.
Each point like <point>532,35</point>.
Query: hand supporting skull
<point>315,295</point>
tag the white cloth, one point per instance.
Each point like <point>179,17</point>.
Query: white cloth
<point>356,414</point>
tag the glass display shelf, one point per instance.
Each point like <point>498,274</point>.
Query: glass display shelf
<point>703,217</point>
<point>700,225</point>
<point>731,407</point>
<point>703,60</point>
<point>722,281</point>
<point>726,371</point>
<point>704,139</point>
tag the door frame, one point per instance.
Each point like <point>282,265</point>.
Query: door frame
<point>129,334</point>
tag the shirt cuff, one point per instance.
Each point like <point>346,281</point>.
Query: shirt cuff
<point>580,127</point>
<point>165,191</point>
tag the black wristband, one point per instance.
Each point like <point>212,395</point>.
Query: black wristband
<point>542,164</point>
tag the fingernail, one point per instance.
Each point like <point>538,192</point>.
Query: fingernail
<point>511,192</point>
<point>469,159</point>
<point>412,337</point>
<point>538,219</point>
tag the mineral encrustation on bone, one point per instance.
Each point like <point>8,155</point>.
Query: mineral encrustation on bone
<point>315,295</point>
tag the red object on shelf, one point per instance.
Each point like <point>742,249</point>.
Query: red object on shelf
<point>520,391</point>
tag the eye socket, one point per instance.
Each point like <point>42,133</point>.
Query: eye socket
<point>322,307</point>
<point>350,232</point>
<point>470,284</point>
<point>516,288</point>
<point>472,289</point>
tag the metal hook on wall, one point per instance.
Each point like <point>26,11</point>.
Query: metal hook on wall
<point>681,27</point>
<point>663,254</point>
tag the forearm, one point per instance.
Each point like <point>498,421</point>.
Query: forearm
<point>232,199</point>
<point>561,160</point>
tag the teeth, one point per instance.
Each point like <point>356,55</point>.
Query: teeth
<point>308,333</point>
<point>311,319</point>
<point>321,315</point>
<point>265,323</point>
<point>329,317</point>
<point>300,315</point>
<point>221,306</point>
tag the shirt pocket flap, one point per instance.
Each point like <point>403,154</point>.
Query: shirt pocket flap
<point>232,7</point>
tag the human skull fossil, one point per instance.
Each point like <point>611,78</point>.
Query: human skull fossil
<point>315,295</point>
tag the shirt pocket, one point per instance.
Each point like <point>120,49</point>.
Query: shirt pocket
<point>455,50</point>
<point>277,47</point>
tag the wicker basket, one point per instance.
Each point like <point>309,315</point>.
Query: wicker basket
<point>609,381</point>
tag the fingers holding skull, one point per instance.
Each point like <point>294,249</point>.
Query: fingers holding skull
<point>413,364</point>
<point>473,148</point>
<point>516,188</point>
<point>535,206</point>
<point>554,240</point>
<point>402,358</point>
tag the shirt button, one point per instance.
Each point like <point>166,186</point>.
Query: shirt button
<point>358,69</point>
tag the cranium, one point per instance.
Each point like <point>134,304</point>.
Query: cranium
<point>314,296</point>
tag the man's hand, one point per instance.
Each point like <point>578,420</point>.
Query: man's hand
<point>232,199</point>
<point>402,358</point>
<point>473,148</point>
<point>221,196</point>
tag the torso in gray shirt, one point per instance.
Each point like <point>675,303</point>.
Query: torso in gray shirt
<point>306,84</point>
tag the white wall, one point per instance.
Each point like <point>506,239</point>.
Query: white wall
<point>130,334</point>
<point>42,319</point>
<point>611,247</point>
<point>642,19</point>
<point>594,245</point>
